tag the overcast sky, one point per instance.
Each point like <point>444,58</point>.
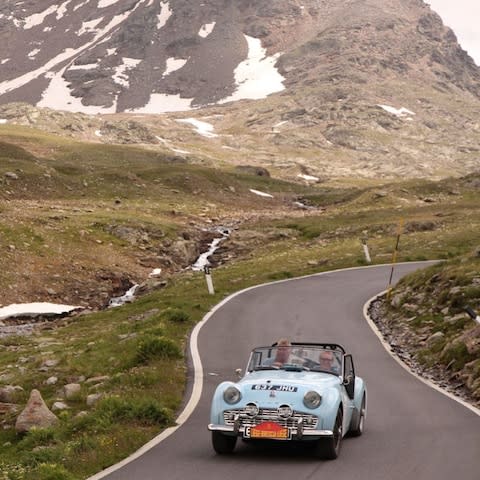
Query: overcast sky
<point>462,16</point>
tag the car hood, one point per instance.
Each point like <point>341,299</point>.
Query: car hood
<point>319,380</point>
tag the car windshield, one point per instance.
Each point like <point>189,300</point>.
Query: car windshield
<point>297,357</point>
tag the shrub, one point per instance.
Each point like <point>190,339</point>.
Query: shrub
<point>472,293</point>
<point>457,303</point>
<point>456,355</point>
<point>151,347</point>
<point>151,412</point>
<point>145,411</point>
<point>12,472</point>
<point>83,423</point>
<point>52,471</point>
<point>176,315</point>
<point>82,444</point>
<point>37,437</point>
<point>155,331</point>
<point>43,455</point>
<point>280,275</point>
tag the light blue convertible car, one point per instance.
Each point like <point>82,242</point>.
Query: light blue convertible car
<point>296,392</point>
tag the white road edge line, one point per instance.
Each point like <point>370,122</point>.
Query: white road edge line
<point>198,369</point>
<point>387,347</point>
<point>192,402</point>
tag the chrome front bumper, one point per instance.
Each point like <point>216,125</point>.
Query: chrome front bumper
<point>297,432</point>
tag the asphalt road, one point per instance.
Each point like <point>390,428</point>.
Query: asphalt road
<point>412,431</point>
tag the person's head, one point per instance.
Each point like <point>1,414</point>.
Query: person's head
<point>326,359</point>
<point>283,350</point>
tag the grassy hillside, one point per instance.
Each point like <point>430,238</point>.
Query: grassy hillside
<point>73,209</point>
<point>77,217</point>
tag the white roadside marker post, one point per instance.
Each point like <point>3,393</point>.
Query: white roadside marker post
<point>366,252</point>
<point>472,314</point>
<point>208,278</point>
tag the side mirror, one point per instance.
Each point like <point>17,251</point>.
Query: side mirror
<point>348,380</point>
<point>238,372</point>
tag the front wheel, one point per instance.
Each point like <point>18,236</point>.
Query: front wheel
<point>223,444</point>
<point>329,448</point>
<point>358,419</point>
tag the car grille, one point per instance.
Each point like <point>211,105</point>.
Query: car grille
<point>264,415</point>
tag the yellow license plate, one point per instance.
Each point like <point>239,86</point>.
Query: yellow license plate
<point>268,430</point>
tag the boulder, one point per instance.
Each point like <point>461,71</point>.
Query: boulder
<point>7,393</point>
<point>58,406</point>
<point>253,170</point>
<point>436,337</point>
<point>71,390</point>
<point>36,414</point>
<point>93,398</point>
<point>11,175</point>
<point>51,381</point>
<point>99,379</point>
<point>7,408</point>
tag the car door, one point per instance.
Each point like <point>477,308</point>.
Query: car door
<point>349,376</point>
<point>348,388</point>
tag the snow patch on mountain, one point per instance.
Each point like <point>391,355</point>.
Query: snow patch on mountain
<point>120,77</point>
<point>206,29</point>
<point>67,54</point>
<point>165,14</point>
<point>256,77</point>
<point>261,194</point>
<point>106,3</point>
<point>86,66</point>
<point>174,64</point>
<point>399,112</point>
<point>33,53</point>
<point>88,27</point>
<point>38,18</point>
<point>59,97</point>
<point>308,178</point>
<point>35,309</point>
<point>202,128</point>
<point>162,102</point>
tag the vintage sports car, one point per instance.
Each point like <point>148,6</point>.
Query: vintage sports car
<point>297,392</point>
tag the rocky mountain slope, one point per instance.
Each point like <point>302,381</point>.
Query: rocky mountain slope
<point>437,339</point>
<point>360,88</point>
<point>113,53</point>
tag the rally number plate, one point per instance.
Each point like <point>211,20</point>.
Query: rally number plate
<point>268,430</point>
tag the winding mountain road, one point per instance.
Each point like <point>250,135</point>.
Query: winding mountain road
<point>412,430</point>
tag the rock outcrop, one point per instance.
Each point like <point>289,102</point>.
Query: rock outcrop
<point>36,414</point>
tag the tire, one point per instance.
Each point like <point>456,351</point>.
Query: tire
<point>329,448</point>
<point>357,425</point>
<point>223,444</point>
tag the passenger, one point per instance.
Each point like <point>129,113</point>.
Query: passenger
<point>283,352</point>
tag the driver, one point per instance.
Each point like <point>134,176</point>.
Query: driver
<point>326,360</point>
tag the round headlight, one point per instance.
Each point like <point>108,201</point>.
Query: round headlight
<point>285,411</point>
<point>251,409</point>
<point>232,395</point>
<point>312,399</point>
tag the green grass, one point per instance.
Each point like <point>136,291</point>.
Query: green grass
<point>63,211</point>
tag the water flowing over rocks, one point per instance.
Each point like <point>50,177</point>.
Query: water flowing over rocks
<point>116,289</point>
<point>203,260</point>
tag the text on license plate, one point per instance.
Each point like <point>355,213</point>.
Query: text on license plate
<point>269,430</point>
